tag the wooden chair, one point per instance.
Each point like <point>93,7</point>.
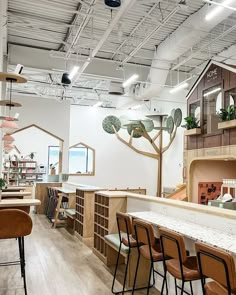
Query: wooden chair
<point>181,266</point>
<point>218,265</point>
<point>149,248</point>
<point>17,224</point>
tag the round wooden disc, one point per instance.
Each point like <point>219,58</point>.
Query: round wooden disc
<point>15,78</point>
<point>9,103</point>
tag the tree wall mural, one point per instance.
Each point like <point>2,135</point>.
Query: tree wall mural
<point>151,129</point>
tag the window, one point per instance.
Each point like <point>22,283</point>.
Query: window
<point>53,157</point>
<point>80,160</point>
<point>212,103</point>
<point>194,110</point>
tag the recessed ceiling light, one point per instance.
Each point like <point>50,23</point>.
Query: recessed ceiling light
<point>179,87</point>
<point>217,9</point>
<point>129,81</point>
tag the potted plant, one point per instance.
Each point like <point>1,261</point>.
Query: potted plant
<point>3,183</point>
<point>191,125</point>
<point>53,168</point>
<point>228,117</point>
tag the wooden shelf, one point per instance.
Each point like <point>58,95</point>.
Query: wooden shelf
<point>84,219</point>
<point>105,209</point>
<point>194,131</point>
<point>21,171</point>
<point>227,124</point>
<point>15,78</point>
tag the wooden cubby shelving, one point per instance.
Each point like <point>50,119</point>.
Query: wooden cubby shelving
<point>84,214</point>
<point>105,207</point>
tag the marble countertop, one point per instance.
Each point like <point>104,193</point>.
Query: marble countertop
<point>190,230</point>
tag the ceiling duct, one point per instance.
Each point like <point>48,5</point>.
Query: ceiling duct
<point>178,43</point>
<point>113,3</point>
<point>116,88</point>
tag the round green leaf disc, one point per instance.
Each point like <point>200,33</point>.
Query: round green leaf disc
<point>109,122</point>
<point>172,113</point>
<point>178,117</point>
<point>148,124</point>
<point>170,124</point>
<point>135,134</point>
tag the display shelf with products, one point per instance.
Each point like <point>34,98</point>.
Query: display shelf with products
<point>22,172</point>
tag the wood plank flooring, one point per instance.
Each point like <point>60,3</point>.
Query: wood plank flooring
<point>57,263</point>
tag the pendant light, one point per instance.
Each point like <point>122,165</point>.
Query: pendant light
<point>113,3</point>
<point>7,138</point>
<point>9,125</point>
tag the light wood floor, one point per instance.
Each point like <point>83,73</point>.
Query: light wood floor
<point>57,263</point>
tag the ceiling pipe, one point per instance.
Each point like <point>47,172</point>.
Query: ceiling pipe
<point>178,43</point>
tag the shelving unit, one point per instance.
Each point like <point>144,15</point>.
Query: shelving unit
<point>22,172</point>
<point>84,214</point>
<point>105,207</point>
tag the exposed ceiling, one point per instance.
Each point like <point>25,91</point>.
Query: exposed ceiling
<point>49,37</point>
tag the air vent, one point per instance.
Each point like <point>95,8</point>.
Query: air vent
<point>116,88</point>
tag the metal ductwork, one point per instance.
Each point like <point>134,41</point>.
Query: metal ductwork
<point>177,44</point>
<point>116,88</point>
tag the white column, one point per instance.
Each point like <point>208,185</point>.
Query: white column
<point>3,53</point>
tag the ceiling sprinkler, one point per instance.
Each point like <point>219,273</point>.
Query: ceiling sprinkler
<point>113,3</point>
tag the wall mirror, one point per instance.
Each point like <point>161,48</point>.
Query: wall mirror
<point>81,160</point>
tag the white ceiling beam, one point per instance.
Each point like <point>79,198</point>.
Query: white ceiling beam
<point>153,32</point>
<point>126,5</point>
<point>135,29</point>
<point>83,24</point>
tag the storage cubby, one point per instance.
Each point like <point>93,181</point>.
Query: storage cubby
<point>84,218</point>
<point>105,208</point>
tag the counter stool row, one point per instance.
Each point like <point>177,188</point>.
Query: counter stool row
<point>169,249</point>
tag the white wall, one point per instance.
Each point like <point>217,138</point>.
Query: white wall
<point>172,173</point>
<point>23,138</point>
<point>51,115</point>
<point>116,164</point>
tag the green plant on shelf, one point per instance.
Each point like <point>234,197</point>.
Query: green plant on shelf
<point>228,113</point>
<point>191,122</point>
<point>3,183</point>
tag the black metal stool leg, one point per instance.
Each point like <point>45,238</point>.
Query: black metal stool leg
<point>114,277</point>
<point>23,263</point>
<point>176,291</point>
<point>182,288</point>
<point>150,274</point>
<point>191,287</point>
<point>20,254</point>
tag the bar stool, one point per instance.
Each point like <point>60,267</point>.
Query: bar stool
<point>124,225</point>
<point>16,224</point>
<point>149,247</point>
<point>182,266</point>
<point>218,265</point>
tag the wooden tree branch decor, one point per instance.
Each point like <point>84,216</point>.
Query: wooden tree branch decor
<point>146,129</point>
